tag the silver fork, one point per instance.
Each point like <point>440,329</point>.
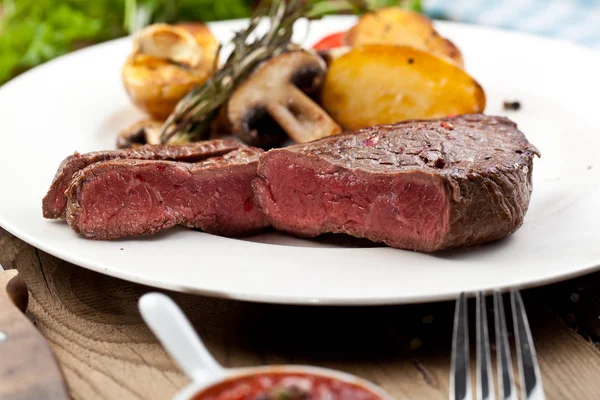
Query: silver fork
<point>529,371</point>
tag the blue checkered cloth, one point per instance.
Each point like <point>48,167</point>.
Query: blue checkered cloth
<point>573,20</point>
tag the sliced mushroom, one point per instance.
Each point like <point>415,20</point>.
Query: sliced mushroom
<point>146,131</point>
<point>277,97</point>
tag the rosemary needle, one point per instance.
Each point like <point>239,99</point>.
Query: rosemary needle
<point>191,119</point>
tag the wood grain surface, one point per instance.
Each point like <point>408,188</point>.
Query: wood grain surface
<point>105,351</point>
<point>28,369</point>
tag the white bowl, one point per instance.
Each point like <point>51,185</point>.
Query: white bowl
<point>179,338</point>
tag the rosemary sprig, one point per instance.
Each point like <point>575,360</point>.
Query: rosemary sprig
<point>191,119</point>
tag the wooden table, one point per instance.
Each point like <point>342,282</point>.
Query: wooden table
<point>106,352</point>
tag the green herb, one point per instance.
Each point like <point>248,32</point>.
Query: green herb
<point>338,6</point>
<point>190,121</point>
<point>139,13</point>
<point>287,393</point>
<point>35,31</point>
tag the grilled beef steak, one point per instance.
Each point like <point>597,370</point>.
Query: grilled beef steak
<point>53,204</point>
<point>118,198</point>
<point>420,185</point>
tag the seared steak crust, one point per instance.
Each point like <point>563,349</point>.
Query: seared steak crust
<point>420,185</point>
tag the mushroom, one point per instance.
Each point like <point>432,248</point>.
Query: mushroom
<point>276,99</point>
<point>167,61</point>
<point>146,131</point>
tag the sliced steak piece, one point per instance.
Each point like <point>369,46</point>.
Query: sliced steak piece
<point>53,204</point>
<point>420,185</point>
<point>119,198</point>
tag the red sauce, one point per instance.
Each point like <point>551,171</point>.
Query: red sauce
<point>285,386</point>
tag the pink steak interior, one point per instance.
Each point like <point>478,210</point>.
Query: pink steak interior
<point>156,195</point>
<point>310,197</point>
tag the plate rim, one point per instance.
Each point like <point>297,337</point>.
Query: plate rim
<point>271,298</point>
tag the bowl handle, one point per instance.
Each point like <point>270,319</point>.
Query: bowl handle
<point>179,338</point>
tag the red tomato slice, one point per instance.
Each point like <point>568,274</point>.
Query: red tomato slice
<point>330,42</point>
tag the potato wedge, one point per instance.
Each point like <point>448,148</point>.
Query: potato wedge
<point>380,84</point>
<point>155,85</point>
<point>394,25</point>
<point>167,62</point>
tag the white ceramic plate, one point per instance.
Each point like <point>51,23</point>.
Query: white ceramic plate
<point>77,102</point>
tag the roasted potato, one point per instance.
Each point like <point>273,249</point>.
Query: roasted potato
<point>168,61</point>
<point>379,84</point>
<point>398,26</point>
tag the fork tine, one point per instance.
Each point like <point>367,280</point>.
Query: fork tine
<point>460,380</point>
<point>506,380</point>
<point>529,370</point>
<point>485,389</point>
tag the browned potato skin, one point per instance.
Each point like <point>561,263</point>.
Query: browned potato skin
<point>155,85</point>
<point>383,84</point>
<point>204,38</point>
<point>398,26</point>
